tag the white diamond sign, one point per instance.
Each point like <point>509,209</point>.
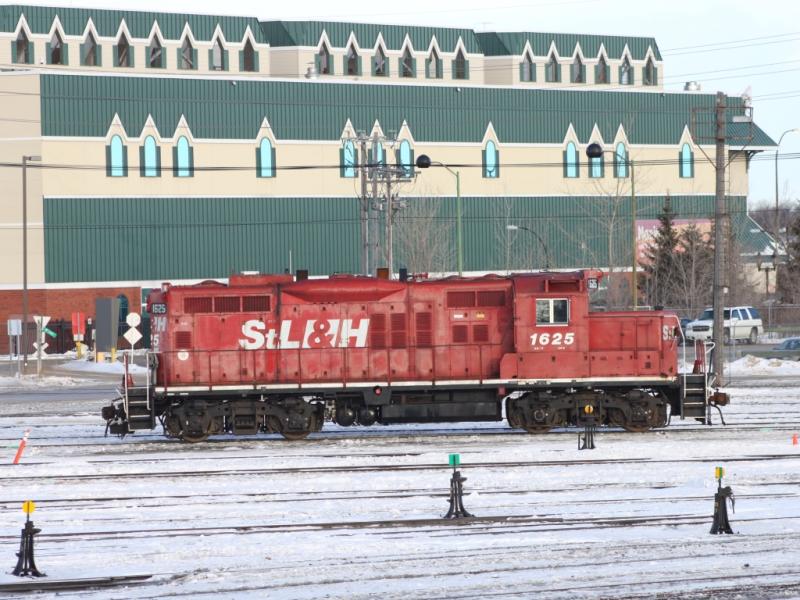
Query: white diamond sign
<point>132,336</point>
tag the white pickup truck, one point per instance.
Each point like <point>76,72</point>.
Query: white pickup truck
<point>740,322</point>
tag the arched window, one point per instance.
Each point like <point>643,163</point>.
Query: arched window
<point>625,72</point>
<point>597,167</point>
<point>156,54</point>
<point>348,159</point>
<point>405,158</point>
<point>527,70</point>
<point>265,159</point>
<point>249,60</point>
<point>460,66</point>
<point>56,53</point>
<point>601,71</point>
<point>491,161</point>
<point>408,66</point>
<point>378,154</point>
<point>323,60</point>
<point>621,161</point>
<point>218,59</point>
<point>116,158</point>
<point>150,158</point>
<point>433,65</point>
<point>380,67</point>
<point>22,49</point>
<point>188,59</point>
<point>571,161</point>
<point>90,52</point>
<point>577,72</point>
<point>122,326</point>
<point>552,70</point>
<point>124,53</point>
<point>686,160</point>
<point>352,61</point>
<point>183,158</point>
<point>650,74</point>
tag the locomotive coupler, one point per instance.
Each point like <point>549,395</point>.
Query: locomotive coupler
<point>116,419</point>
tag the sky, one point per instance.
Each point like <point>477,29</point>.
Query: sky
<point>725,45</point>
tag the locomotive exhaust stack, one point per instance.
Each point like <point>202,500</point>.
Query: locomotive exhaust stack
<point>268,353</point>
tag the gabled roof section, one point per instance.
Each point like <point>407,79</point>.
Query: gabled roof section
<point>307,33</point>
<point>83,105</point>
<point>513,43</point>
<point>40,19</point>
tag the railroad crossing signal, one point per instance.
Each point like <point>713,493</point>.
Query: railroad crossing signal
<point>28,507</point>
<point>133,335</point>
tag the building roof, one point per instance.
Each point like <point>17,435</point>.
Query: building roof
<point>85,105</point>
<point>308,33</point>
<point>73,20</point>
<point>513,44</point>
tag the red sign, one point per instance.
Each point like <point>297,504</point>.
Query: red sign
<point>78,323</point>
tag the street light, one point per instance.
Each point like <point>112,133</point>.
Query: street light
<point>423,162</point>
<point>25,160</point>
<point>777,150</point>
<point>767,263</point>
<point>536,235</point>
<point>596,151</point>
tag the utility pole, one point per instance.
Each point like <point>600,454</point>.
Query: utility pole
<point>720,215</point>
<point>389,216</point>
<point>362,139</point>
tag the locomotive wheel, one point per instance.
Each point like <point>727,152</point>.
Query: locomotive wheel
<point>194,439</point>
<point>275,425</point>
<point>537,428</point>
<point>617,418</point>
<point>294,436</point>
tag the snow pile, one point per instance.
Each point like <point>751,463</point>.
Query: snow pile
<point>93,368</point>
<point>753,365</point>
<point>32,381</point>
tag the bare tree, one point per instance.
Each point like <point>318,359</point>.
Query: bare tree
<point>424,241</point>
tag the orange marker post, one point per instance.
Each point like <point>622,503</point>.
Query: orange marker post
<point>794,440</point>
<point>22,443</point>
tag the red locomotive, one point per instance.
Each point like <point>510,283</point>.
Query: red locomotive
<point>268,353</point>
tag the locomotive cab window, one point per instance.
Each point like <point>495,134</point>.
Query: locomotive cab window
<point>552,311</point>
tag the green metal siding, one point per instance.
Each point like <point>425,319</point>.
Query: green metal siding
<point>308,33</point>
<point>107,22</point>
<point>173,238</point>
<point>84,105</point>
<point>513,43</point>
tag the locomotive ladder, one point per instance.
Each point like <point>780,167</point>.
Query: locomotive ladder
<point>694,399</point>
<point>139,405</point>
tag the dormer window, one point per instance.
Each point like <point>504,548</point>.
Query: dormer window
<point>249,58</point>
<point>89,56</point>
<point>23,51</point>
<point>217,56</point>
<point>188,56</point>
<point>601,71</point>
<point>460,66</point>
<point>124,53</point>
<point>433,65</point>
<point>407,64</point>
<point>625,72</point>
<point>56,54</point>
<point>649,73</point>
<point>155,54</point>
<point>577,72</point>
<point>552,70</point>
<point>379,65</point>
<point>324,61</point>
<point>527,70</point>
<point>352,63</point>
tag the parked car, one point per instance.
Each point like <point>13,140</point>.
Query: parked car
<point>788,349</point>
<point>740,323</point>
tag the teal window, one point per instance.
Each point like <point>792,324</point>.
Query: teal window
<point>460,66</point>
<point>22,49</point>
<point>150,158</point>
<point>552,70</point>
<point>686,162</point>
<point>378,155</point>
<point>218,56</point>
<point>156,54</point>
<point>265,159</point>
<point>323,61</point>
<point>249,60</point>
<point>348,160</point>
<point>90,52</point>
<point>650,75</point>
<point>116,158</point>
<point>527,70</point>
<point>621,161</point>
<point>408,66</point>
<point>183,158</point>
<point>577,73</point>
<point>433,65</point>
<point>380,67</point>
<point>123,52</point>
<point>596,167</point>
<point>187,56</point>
<point>491,161</point>
<point>626,72</point>
<point>405,158</point>
<point>571,161</point>
<point>56,52</point>
<point>601,74</point>
<point>352,61</point>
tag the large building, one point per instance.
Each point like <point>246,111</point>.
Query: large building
<point>188,147</point>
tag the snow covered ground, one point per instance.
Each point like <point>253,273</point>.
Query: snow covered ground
<point>356,513</point>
